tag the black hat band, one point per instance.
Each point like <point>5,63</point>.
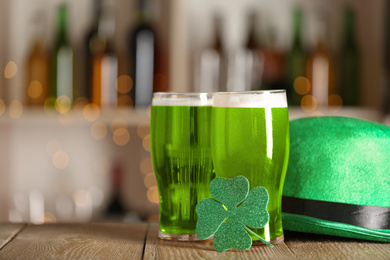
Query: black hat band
<point>372,217</point>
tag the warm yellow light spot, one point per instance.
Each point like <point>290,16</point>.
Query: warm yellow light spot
<point>48,218</point>
<point>98,130</point>
<point>34,89</point>
<point>10,70</point>
<point>60,160</point>
<point>102,166</point>
<point>335,101</point>
<point>125,100</point>
<point>15,109</point>
<point>81,198</point>
<point>146,166</point>
<point>143,129</point>
<point>66,119</point>
<point>121,136</point>
<point>150,180</point>
<point>317,113</point>
<point>302,85</point>
<point>79,104</point>
<point>117,123</point>
<point>49,106</point>
<point>146,143</point>
<point>52,147</point>
<point>91,112</point>
<point>63,104</point>
<point>2,107</point>
<point>124,84</point>
<point>152,194</point>
<point>308,103</point>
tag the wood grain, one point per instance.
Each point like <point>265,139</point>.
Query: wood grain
<point>161,249</point>
<point>78,241</point>
<point>311,246</point>
<point>8,232</point>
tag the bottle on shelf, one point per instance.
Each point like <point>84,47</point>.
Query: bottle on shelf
<point>37,65</point>
<point>142,56</point>
<point>296,63</point>
<point>62,62</point>
<point>89,48</point>
<point>320,72</point>
<point>349,61</point>
<point>254,59</point>
<point>274,60</point>
<point>208,68</point>
<point>115,208</point>
<point>103,60</point>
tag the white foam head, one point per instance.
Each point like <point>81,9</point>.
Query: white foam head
<point>262,99</point>
<point>182,99</point>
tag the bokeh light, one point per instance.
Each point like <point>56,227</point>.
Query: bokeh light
<point>10,70</point>
<point>117,123</point>
<point>308,103</point>
<point>91,112</point>
<point>98,130</point>
<point>60,160</point>
<point>49,106</point>
<point>124,84</point>
<point>146,143</point>
<point>152,194</point>
<point>34,89</point>
<point>143,129</point>
<point>150,180</point>
<point>15,109</point>
<point>63,104</point>
<point>81,198</point>
<point>121,136</point>
<point>146,165</point>
<point>49,217</point>
<point>302,85</point>
<point>79,104</point>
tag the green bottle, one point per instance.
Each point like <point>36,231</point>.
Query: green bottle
<point>349,73</point>
<point>62,60</point>
<point>296,62</point>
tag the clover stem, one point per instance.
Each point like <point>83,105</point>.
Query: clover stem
<point>261,239</point>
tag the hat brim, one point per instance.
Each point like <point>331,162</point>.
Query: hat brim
<point>294,222</point>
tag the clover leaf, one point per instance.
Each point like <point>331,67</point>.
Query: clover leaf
<point>229,221</point>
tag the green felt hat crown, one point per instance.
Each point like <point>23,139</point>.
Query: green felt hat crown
<point>338,178</point>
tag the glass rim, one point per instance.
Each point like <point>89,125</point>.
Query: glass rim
<point>180,94</point>
<point>182,98</point>
<point>251,92</point>
<point>253,99</point>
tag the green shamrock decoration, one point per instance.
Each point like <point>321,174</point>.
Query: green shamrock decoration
<point>229,222</point>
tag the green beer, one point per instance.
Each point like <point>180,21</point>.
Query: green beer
<point>251,138</point>
<point>181,155</point>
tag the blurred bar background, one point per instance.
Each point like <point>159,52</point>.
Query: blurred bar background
<point>76,79</point>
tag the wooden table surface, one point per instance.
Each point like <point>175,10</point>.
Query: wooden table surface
<point>138,240</point>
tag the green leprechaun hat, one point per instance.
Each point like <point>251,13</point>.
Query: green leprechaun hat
<point>338,178</point>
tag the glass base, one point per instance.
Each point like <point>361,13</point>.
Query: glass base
<point>180,237</point>
<point>272,241</point>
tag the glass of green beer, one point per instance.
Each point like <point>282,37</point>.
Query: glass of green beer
<point>250,137</point>
<point>181,155</point>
